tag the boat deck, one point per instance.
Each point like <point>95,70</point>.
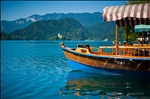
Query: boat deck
<point>134,51</point>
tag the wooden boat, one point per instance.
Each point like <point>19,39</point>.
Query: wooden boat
<point>118,59</point>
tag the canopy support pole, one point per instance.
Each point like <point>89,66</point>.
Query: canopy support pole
<point>126,34</point>
<point>116,39</point>
<point>142,38</point>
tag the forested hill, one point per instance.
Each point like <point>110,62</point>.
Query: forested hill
<point>105,30</point>
<point>63,29</point>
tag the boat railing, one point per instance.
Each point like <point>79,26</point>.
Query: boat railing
<point>125,50</point>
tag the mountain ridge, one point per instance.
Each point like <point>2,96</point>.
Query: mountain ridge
<point>86,19</point>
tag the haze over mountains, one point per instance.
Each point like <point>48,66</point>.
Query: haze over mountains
<point>71,26</point>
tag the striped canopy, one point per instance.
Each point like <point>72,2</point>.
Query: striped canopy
<point>128,15</point>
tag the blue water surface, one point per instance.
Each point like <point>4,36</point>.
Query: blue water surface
<point>39,70</point>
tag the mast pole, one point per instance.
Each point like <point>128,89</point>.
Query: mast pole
<point>116,39</point>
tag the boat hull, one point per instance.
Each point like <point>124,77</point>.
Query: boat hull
<point>86,68</point>
<point>106,64</point>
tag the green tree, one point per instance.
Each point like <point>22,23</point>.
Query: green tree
<point>137,1</point>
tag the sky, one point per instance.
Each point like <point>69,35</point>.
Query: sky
<point>13,10</point>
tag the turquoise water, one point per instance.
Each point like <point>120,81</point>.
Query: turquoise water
<point>39,70</point>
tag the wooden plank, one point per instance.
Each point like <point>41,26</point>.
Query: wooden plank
<point>125,47</point>
<point>138,47</point>
<point>107,47</point>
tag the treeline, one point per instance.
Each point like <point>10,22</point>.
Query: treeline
<point>5,36</point>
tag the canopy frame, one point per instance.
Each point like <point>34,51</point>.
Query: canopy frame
<point>127,15</point>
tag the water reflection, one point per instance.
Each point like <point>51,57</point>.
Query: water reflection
<point>105,86</point>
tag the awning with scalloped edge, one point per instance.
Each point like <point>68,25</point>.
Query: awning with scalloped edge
<point>128,15</point>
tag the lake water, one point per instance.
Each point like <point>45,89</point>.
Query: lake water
<point>39,70</point>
